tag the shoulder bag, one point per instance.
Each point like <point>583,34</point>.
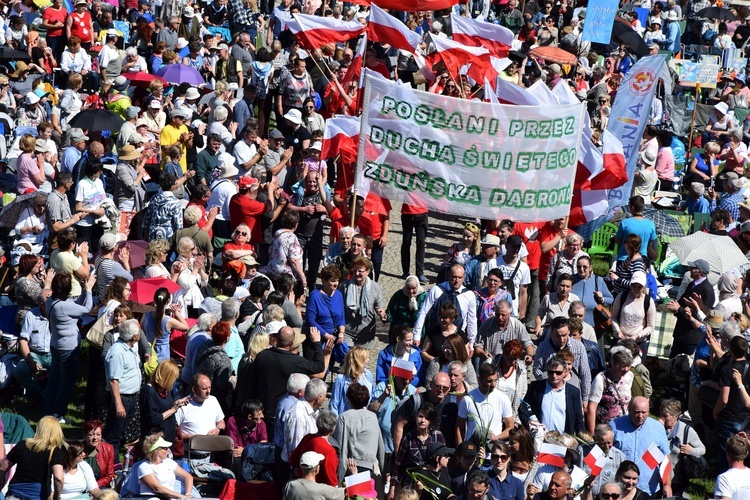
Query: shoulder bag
<point>602,315</point>
<point>688,466</point>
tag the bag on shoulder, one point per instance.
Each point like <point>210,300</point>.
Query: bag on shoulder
<point>95,335</point>
<point>688,466</point>
<point>149,367</point>
<point>602,315</point>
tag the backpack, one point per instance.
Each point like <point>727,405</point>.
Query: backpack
<point>410,419</point>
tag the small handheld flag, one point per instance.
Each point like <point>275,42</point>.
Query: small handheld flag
<point>552,454</point>
<point>653,456</point>
<point>358,484</point>
<point>595,460</point>
<point>402,368</point>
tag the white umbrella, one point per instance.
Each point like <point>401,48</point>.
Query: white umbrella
<point>721,253</point>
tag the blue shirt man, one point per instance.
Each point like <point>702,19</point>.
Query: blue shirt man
<point>634,434</point>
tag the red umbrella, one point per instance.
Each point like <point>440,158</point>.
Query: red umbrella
<point>143,291</point>
<point>553,54</point>
<point>137,252</point>
<point>142,79</point>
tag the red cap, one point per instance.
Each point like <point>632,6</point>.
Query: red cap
<point>246,182</point>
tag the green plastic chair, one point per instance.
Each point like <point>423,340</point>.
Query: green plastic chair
<point>701,221</point>
<point>685,220</point>
<point>603,241</point>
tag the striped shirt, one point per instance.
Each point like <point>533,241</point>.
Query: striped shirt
<point>547,349</point>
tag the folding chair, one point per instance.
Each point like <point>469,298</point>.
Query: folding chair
<point>211,444</point>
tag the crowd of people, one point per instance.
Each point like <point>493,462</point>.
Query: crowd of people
<point>265,306</point>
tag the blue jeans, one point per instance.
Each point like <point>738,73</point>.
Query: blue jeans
<point>23,373</point>
<point>62,379</point>
<point>724,430</point>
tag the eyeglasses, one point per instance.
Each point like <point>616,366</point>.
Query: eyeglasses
<point>555,372</point>
<point>613,496</point>
<point>502,457</point>
<point>442,388</point>
<point>240,233</point>
<point>128,289</point>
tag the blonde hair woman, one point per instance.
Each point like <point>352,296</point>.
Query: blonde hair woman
<point>156,256</point>
<point>353,370</point>
<point>157,475</point>
<point>158,407</point>
<point>36,460</point>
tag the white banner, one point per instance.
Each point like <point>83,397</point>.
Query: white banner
<point>630,113</point>
<point>467,158</point>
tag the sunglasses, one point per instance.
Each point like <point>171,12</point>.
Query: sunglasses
<point>442,388</point>
<point>240,233</point>
<point>503,457</point>
<point>471,226</point>
<point>555,372</point>
<point>613,496</point>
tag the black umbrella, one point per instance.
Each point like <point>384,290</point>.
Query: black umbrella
<point>8,54</point>
<point>622,32</point>
<point>12,211</point>
<point>716,13</point>
<point>96,120</point>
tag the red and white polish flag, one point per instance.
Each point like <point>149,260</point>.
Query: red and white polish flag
<point>456,55</point>
<point>341,136</point>
<point>653,457</point>
<point>552,454</point>
<point>595,460</point>
<point>665,470</point>
<point>403,368</point>
<point>314,32</point>
<point>495,38</point>
<point>358,484</point>
<point>385,28</point>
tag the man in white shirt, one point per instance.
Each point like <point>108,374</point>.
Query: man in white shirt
<point>734,484</point>
<point>203,415</point>
<point>462,297</point>
<point>516,274</point>
<point>300,420</point>
<point>32,223</point>
<point>490,406</point>
<point>250,150</point>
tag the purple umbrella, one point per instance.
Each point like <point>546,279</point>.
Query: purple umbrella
<point>179,73</point>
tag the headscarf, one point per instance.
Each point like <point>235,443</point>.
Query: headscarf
<point>727,286</point>
<point>413,305</point>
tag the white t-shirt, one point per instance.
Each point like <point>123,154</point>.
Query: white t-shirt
<point>623,386</point>
<point>91,194</point>
<point>106,55</point>
<point>163,471</point>
<point>491,409</point>
<point>734,484</point>
<point>243,153</point>
<point>197,418</point>
<point>80,482</point>
<point>522,277</point>
<point>222,191</point>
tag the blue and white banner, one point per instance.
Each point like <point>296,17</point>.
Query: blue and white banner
<point>630,114</point>
<point>600,16</point>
